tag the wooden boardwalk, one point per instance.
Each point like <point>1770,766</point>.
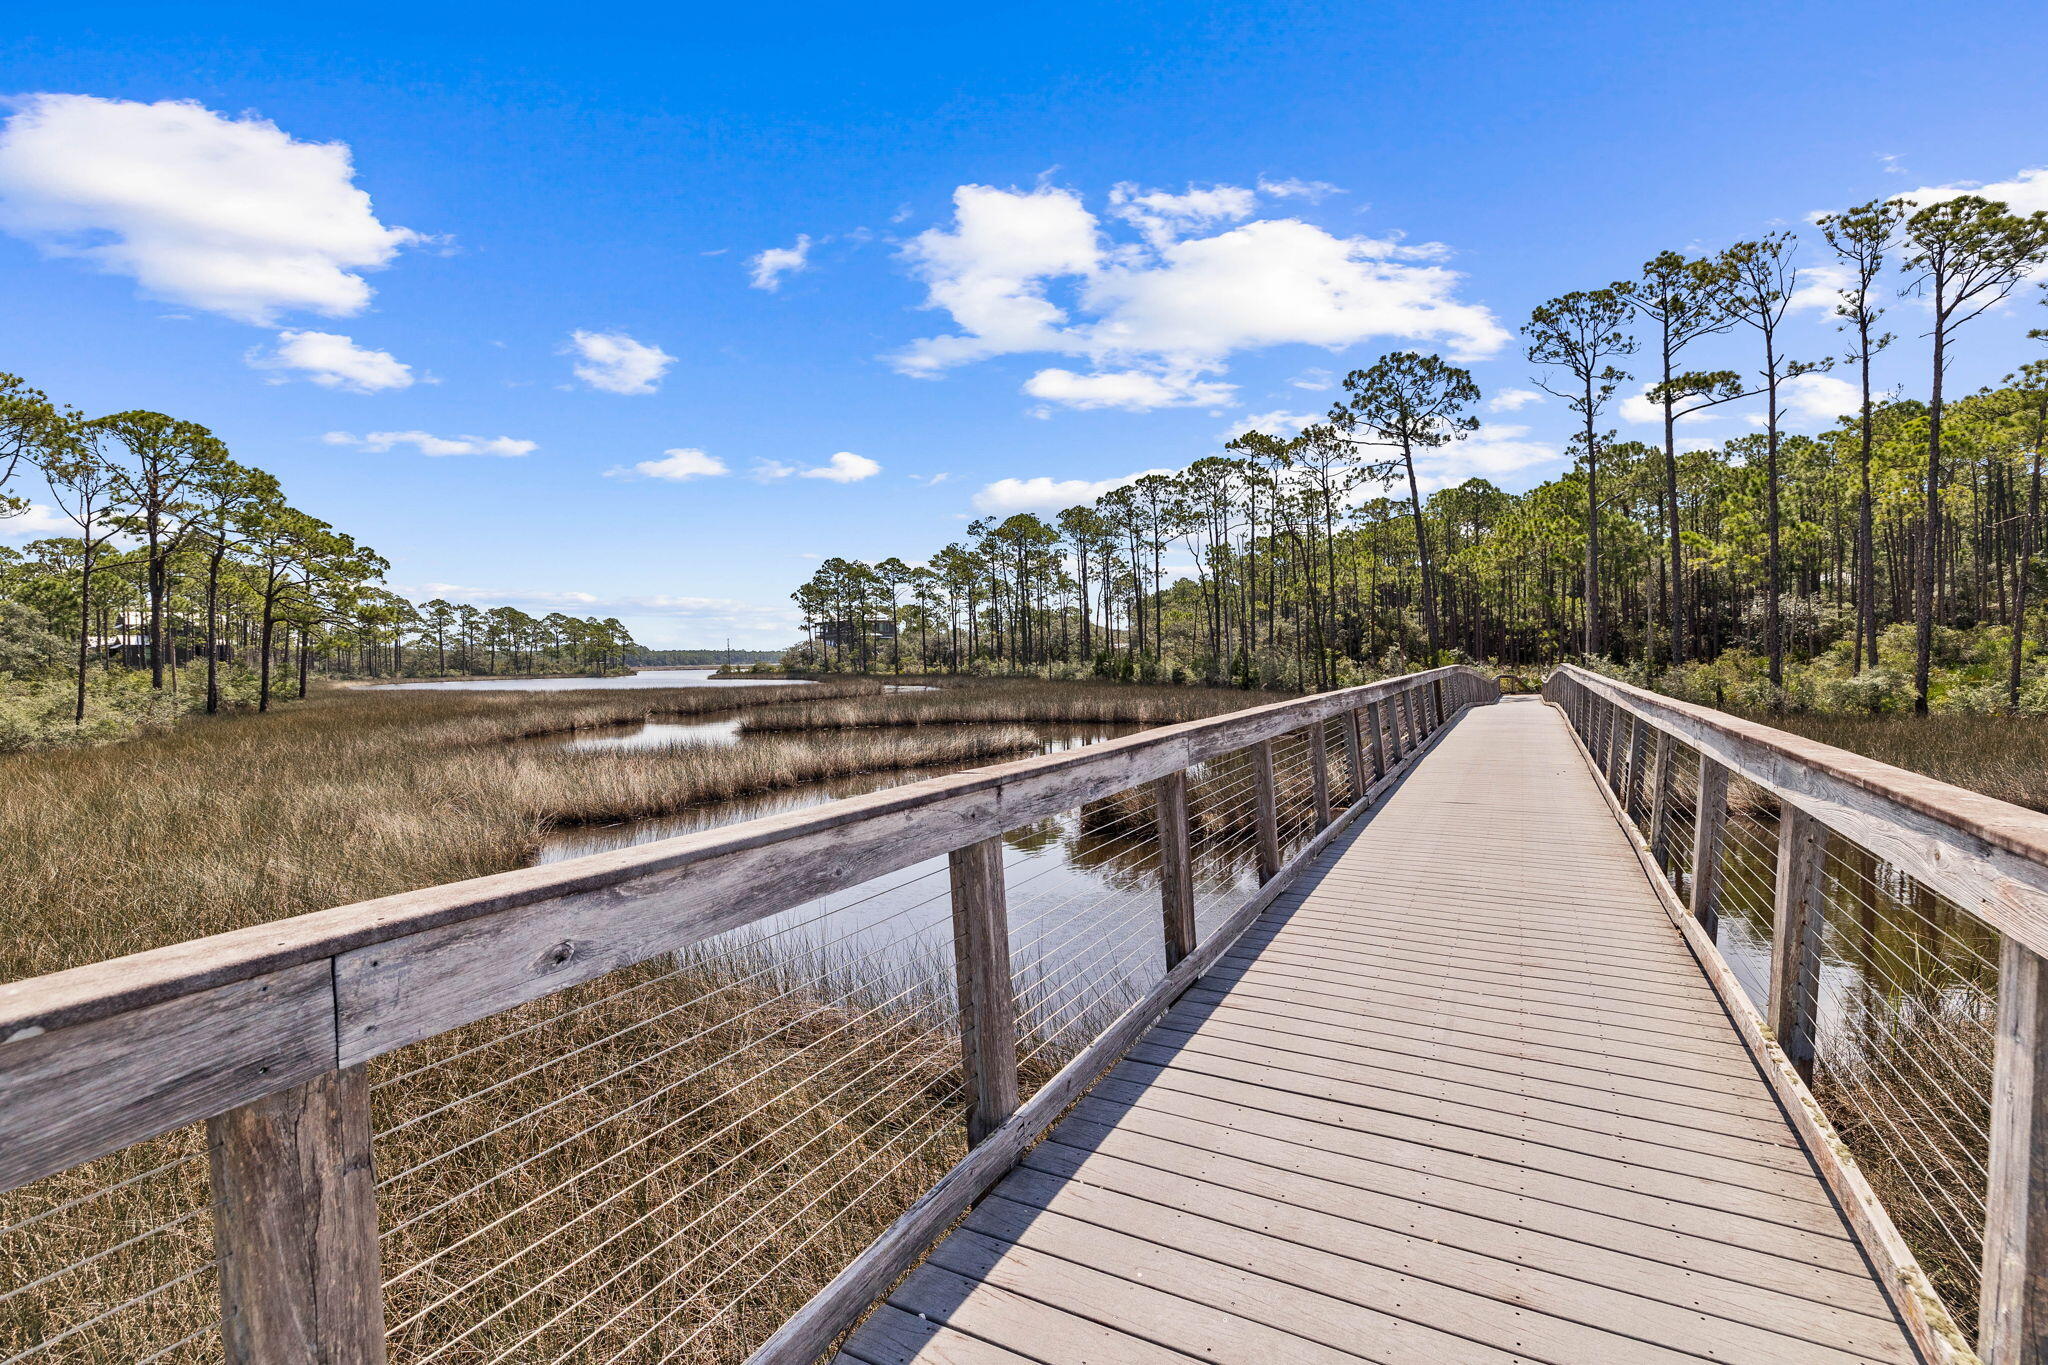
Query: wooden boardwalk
<point>1461,1095</point>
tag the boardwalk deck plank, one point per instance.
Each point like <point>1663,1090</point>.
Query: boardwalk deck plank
<point>1461,1094</point>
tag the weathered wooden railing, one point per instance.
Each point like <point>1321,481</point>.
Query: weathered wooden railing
<point>283,1040</point>
<point>1880,935</point>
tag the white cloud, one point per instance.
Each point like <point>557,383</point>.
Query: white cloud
<point>1315,191</point>
<point>1162,217</point>
<point>38,520</point>
<point>1512,400</point>
<point>1638,408</point>
<point>676,465</point>
<point>931,481</point>
<point>1813,400</point>
<point>1130,390</point>
<point>2026,192</point>
<point>616,363</point>
<point>1279,422</point>
<point>1044,494</point>
<point>843,467</point>
<point>1314,380</point>
<point>1172,306</point>
<point>427,444</point>
<point>1819,288</point>
<point>771,265</point>
<point>333,362</point>
<point>231,215</point>
<point>1494,453</point>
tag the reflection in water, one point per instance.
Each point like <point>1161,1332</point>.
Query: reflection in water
<point>652,734</point>
<point>652,677</point>
<point>1082,886</point>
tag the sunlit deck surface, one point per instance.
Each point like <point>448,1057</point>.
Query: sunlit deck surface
<point>1462,1095</point>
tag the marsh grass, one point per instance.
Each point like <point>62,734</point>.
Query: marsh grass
<point>2001,756</point>
<point>990,703</point>
<point>659,1164</point>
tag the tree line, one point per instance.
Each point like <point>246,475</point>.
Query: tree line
<point>1310,559</point>
<point>198,558</point>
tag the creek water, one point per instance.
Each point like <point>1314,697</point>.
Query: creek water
<point>649,677</point>
<point>1083,890</point>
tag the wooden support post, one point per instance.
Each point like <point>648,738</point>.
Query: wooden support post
<point>1354,756</point>
<point>1266,803</point>
<point>1176,866</point>
<point>1709,819</point>
<point>1660,802</point>
<point>1436,691</point>
<point>1797,914</point>
<point>295,1226</point>
<point>988,999</point>
<point>1403,727</point>
<point>1632,779</point>
<point>2012,1312</point>
<point>1319,772</point>
<point>1376,723</point>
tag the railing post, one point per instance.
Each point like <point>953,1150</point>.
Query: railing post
<point>1436,690</point>
<point>1402,728</point>
<point>1660,802</point>
<point>1266,804</point>
<point>1176,866</point>
<point>1708,821</point>
<point>1319,772</point>
<point>2012,1313</point>
<point>1354,756</point>
<point>295,1225</point>
<point>988,999</point>
<point>1376,722</point>
<point>1632,783</point>
<point>1796,920</point>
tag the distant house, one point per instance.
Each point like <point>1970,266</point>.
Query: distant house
<point>129,642</point>
<point>848,634</point>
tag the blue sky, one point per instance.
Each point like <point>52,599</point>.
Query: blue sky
<point>1029,248</point>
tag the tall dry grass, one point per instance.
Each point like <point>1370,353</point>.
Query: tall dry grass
<point>989,703</point>
<point>660,1164</point>
<point>2001,756</point>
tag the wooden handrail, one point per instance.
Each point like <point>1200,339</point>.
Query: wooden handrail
<point>99,1057</point>
<point>1988,856</point>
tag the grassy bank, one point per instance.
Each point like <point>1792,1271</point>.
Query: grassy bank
<point>356,794</point>
<point>2001,756</point>
<point>975,703</point>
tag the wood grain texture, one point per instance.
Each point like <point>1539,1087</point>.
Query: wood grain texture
<point>76,1093</point>
<point>988,1000</point>
<point>2013,1312</point>
<point>1360,1133</point>
<point>1176,866</point>
<point>1660,800</point>
<point>1797,910</point>
<point>1319,773</point>
<point>1710,823</point>
<point>1265,810</point>
<point>295,1226</point>
<point>1988,856</point>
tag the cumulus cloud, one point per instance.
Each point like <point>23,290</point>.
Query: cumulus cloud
<point>1819,288</point>
<point>678,465</point>
<point>37,520</point>
<point>616,363</point>
<point>1279,422</point>
<point>1130,390</point>
<point>1494,453</point>
<point>1638,408</point>
<point>1175,305</point>
<point>428,444</point>
<point>843,467</point>
<point>1512,400</point>
<point>2026,192</point>
<point>1045,494</point>
<point>771,265</point>
<point>230,215</point>
<point>1814,400</point>
<point>331,361</point>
